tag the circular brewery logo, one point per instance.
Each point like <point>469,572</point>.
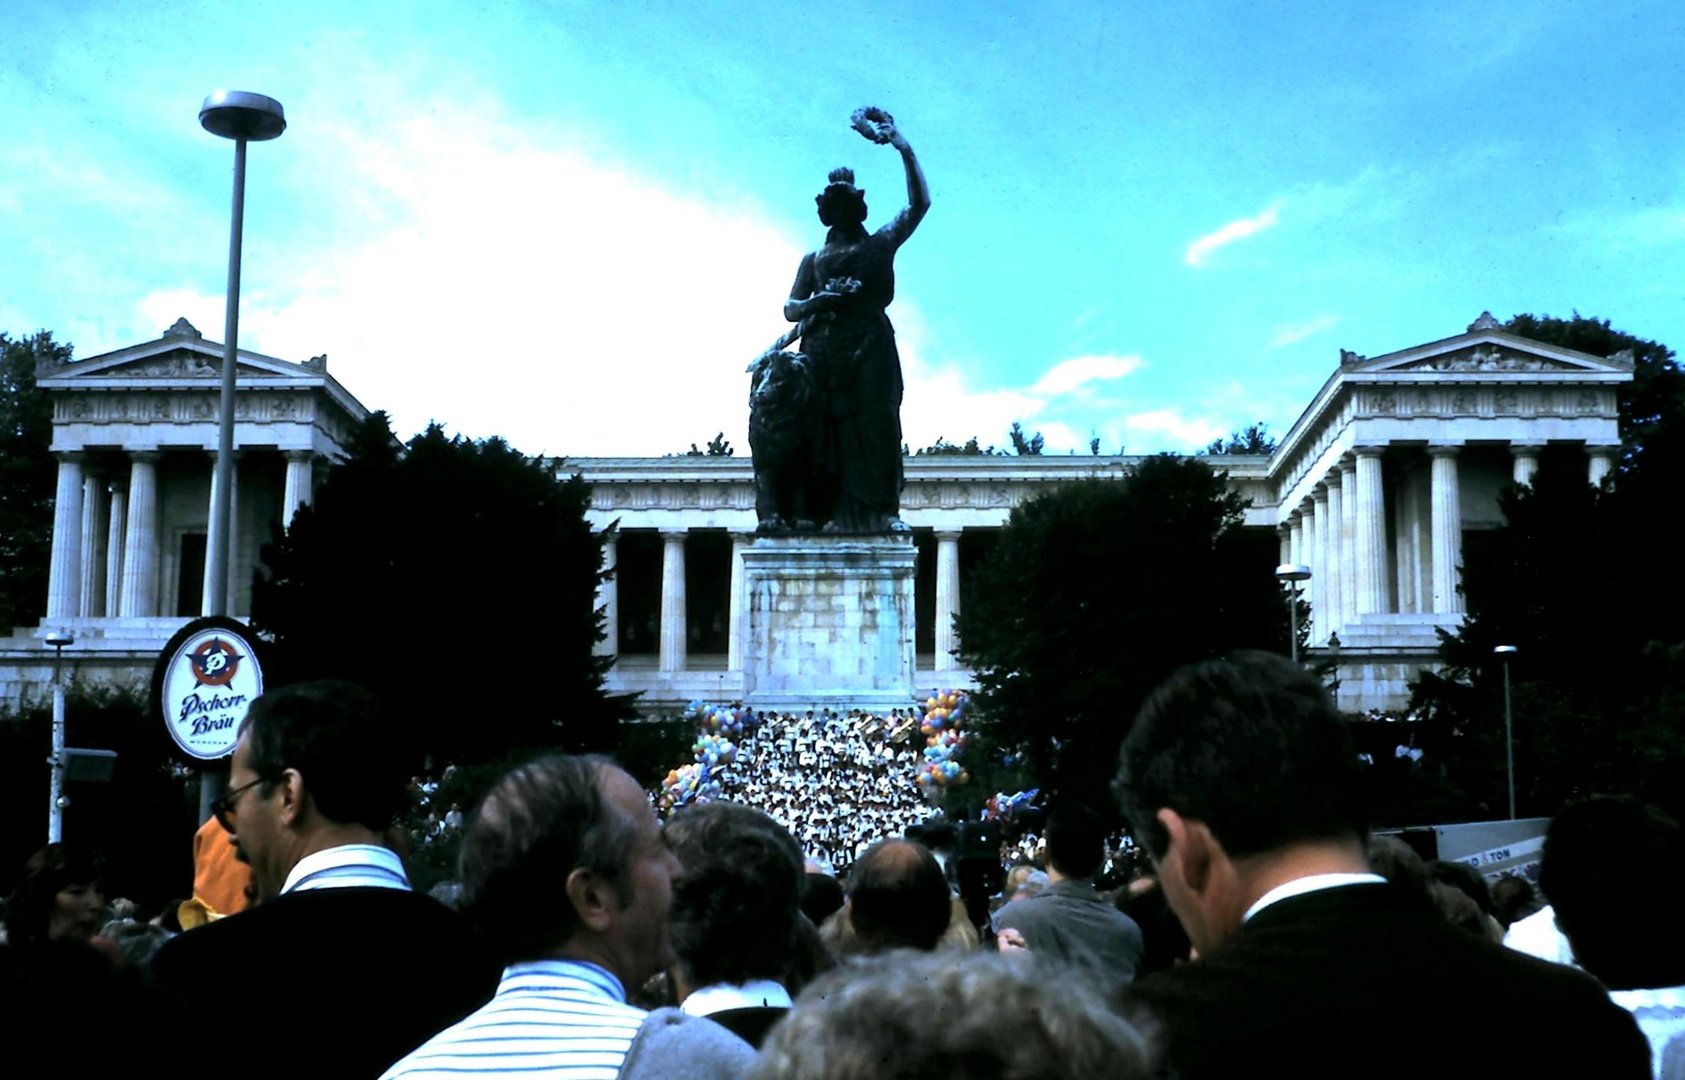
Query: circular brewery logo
<point>207,679</point>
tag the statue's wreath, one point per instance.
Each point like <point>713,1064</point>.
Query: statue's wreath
<point>873,123</point>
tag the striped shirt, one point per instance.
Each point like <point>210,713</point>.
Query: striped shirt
<point>566,1019</point>
<point>348,865</point>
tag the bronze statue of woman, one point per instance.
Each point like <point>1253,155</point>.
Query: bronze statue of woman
<point>838,299</point>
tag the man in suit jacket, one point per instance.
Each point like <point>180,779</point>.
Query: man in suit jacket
<point>1242,782</point>
<point>362,968</point>
<point>1070,922</point>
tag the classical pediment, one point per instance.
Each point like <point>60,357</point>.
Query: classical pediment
<point>1486,350</point>
<point>182,354</point>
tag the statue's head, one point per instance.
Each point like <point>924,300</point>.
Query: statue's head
<point>841,203</point>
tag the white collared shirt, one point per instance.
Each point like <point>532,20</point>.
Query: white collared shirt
<point>1313,883</point>
<point>364,865</point>
<point>754,994</point>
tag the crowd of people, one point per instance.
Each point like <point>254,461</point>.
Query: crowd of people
<point>837,781</point>
<point>1267,930</point>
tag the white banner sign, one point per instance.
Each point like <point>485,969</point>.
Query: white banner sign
<point>209,682</point>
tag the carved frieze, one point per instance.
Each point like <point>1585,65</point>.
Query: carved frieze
<point>141,407</point>
<point>1486,358</point>
<point>1486,401</point>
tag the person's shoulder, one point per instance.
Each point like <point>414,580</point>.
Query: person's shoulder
<point>672,1044</point>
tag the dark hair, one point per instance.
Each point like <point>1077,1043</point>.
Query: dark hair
<point>1466,880</point>
<point>735,906</point>
<point>338,737</point>
<point>822,895</point>
<point>1611,866</point>
<point>1515,897</point>
<point>1076,841</point>
<point>49,871</point>
<point>1252,746</point>
<point>1399,863</point>
<point>841,204</point>
<point>898,897</point>
<point>538,823</point>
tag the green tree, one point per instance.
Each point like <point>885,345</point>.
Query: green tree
<point>1598,680</point>
<point>1025,445</point>
<point>971,447</point>
<point>28,476</point>
<point>457,580</point>
<point>1093,594</point>
<point>1253,439</point>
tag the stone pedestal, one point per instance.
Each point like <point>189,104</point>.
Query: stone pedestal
<point>830,622</point>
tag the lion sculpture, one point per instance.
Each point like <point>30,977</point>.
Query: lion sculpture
<point>784,424</point>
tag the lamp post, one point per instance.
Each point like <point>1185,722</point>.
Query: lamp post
<point>58,639</point>
<point>1503,653</point>
<point>1291,574</point>
<point>243,117</point>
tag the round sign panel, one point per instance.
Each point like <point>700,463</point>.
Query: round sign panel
<point>209,678</point>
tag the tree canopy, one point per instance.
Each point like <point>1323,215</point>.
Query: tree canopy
<point>456,579</point>
<point>1253,439</point>
<point>1093,594</point>
<point>1575,579</point>
<point>28,476</point>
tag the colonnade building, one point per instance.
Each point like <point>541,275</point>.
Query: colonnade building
<point>1392,469</point>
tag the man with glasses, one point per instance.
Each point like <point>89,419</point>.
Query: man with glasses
<point>315,782</point>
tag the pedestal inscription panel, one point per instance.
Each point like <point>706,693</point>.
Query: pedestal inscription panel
<point>830,622</point>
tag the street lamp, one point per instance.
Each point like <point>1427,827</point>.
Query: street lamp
<point>243,117</point>
<point>1291,574</point>
<point>57,639</point>
<point>1504,652</point>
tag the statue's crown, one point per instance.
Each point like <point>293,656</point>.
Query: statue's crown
<point>843,175</point>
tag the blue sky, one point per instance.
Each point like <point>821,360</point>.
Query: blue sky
<point>574,224</point>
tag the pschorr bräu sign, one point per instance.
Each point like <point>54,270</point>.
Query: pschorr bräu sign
<point>208,676</point>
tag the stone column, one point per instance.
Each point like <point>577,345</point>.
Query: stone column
<point>608,598</point>
<point>233,540</point>
<point>738,622</point>
<point>947,597</point>
<point>1526,462</point>
<point>1348,540</point>
<point>1412,547</point>
<point>1600,464</point>
<point>140,539</point>
<point>1296,538</point>
<point>92,600</point>
<point>1285,535</point>
<point>1335,584</point>
<point>301,466</point>
<point>1319,564</point>
<point>1371,528</point>
<point>114,551</point>
<point>673,640</point>
<point>64,581</point>
<point>1447,529</point>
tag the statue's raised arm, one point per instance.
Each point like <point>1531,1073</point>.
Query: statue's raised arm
<point>880,127</point>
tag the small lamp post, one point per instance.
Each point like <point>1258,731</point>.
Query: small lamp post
<point>1291,574</point>
<point>1503,653</point>
<point>56,801</point>
<point>243,117</point>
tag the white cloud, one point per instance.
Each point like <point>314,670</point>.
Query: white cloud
<point>1069,375</point>
<point>1200,249</point>
<point>1297,332</point>
<point>1181,431</point>
<point>510,284</point>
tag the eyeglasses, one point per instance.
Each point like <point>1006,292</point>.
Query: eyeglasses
<point>223,808</point>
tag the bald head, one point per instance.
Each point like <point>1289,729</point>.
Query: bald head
<point>898,897</point>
